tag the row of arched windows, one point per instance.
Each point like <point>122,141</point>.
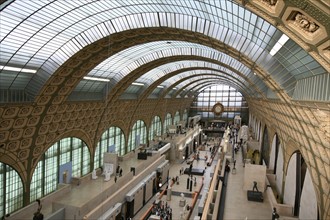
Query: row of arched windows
<point>73,154</point>
<point>293,187</point>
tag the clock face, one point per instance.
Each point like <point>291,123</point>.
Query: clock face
<point>218,108</point>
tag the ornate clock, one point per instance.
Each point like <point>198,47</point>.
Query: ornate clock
<point>218,108</point>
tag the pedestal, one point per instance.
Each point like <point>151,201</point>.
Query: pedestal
<point>107,177</point>
<point>182,202</point>
<point>255,196</point>
<point>94,176</point>
<point>154,217</point>
<point>169,194</point>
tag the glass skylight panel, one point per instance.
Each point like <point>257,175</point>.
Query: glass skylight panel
<point>96,79</point>
<point>8,22</point>
<point>17,69</point>
<point>135,21</point>
<point>137,84</point>
<point>170,19</point>
<point>279,44</point>
<point>154,20</point>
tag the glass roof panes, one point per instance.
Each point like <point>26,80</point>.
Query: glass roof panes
<point>126,61</point>
<point>96,79</point>
<point>185,74</point>
<point>133,89</point>
<point>16,69</point>
<point>193,82</point>
<point>279,44</point>
<point>88,13</point>
<point>44,34</point>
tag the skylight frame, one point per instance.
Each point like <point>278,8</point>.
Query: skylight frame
<point>89,21</point>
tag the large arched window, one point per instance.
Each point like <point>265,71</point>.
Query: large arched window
<point>113,138</point>
<point>231,99</point>
<point>155,128</point>
<point>11,190</point>
<point>138,135</point>
<point>296,192</point>
<point>176,118</point>
<point>168,121</point>
<point>70,152</point>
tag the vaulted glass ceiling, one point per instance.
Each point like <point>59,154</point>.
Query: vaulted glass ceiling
<point>42,35</point>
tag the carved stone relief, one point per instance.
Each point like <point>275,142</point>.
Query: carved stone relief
<point>26,143</point>
<point>304,26</point>
<point>324,50</point>
<point>270,3</point>
<point>305,23</point>
<point>28,132</point>
<point>15,134</point>
<point>271,7</point>
<point>13,146</point>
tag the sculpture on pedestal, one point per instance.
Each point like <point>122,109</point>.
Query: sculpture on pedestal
<point>255,187</point>
<point>107,176</point>
<point>94,176</point>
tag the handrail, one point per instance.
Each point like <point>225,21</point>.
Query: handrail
<point>213,184</point>
<point>194,200</point>
<point>218,201</point>
<point>146,214</point>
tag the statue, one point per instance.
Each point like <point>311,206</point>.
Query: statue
<point>107,176</point>
<point>157,198</point>
<point>65,175</point>
<point>94,176</point>
<point>255,186</point>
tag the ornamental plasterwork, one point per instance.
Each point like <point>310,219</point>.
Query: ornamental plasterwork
<point>324,123</point>
<point>305,23</point>
<point>304,26</point>
<point>270,3</point>
<point>324,50</point>
<point>272,7</point>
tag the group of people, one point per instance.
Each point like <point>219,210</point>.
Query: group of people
<point>196,156</point>
<point>163,210</point>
